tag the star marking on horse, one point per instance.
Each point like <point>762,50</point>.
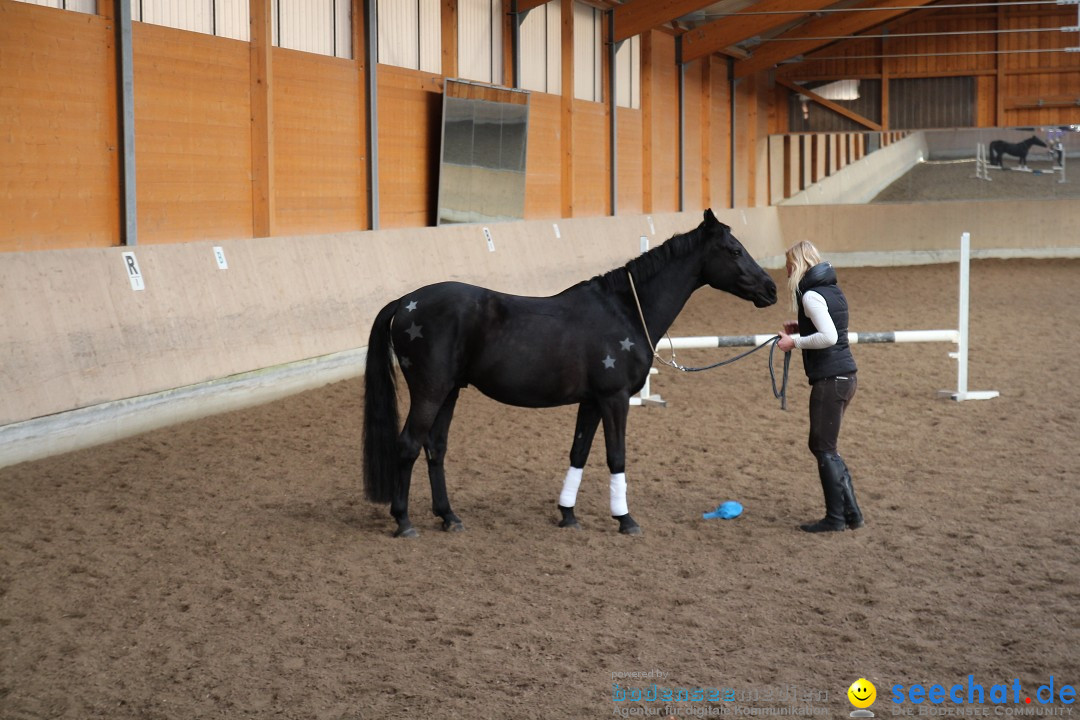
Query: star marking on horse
<point>414,331</point>
<point>411,306</point>
<point>609,362</point>
<point>405,363</point>
<point>626,344</point>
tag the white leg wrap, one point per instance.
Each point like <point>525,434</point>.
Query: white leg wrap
<point>568,496</point>
<point>618,495</point>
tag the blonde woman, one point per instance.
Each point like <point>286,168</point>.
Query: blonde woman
<point>822,330</point>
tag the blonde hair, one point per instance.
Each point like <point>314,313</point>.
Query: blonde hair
<point>800,257</point>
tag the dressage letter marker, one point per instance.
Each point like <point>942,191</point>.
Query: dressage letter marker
<point>219,255</point>
<point>134,274</point>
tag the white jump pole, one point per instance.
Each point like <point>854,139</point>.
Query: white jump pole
<point>697,342</point>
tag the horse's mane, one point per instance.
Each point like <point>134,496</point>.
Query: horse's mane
<point>647,264</point>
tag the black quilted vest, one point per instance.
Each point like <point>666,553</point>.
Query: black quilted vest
<point>831,361</point>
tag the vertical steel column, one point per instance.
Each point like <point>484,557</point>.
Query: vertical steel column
<point>682,137</point>
<point>515,45</point>
<point>614,111</point>
<point>370,25</point>
<point>731,127</point>
<point>125,121</point>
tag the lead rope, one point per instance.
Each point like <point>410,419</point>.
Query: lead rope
<point>780,394</point>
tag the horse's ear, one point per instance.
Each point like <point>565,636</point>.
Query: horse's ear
<point>710,219</point>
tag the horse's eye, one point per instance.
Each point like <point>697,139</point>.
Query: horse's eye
<point>736,252</point>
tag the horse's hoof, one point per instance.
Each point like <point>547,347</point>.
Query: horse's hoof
<point>568,519</point>
<point>407,532</point>
<point>453,526</point>
<point>627,525</point>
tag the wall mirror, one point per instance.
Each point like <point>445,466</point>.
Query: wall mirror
<point>484,140</point>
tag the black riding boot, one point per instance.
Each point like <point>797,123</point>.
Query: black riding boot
<point>852,514</point>
<point>831,471</point>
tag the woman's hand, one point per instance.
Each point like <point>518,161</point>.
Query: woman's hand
<point>785,343</point>
<point>791,327</point>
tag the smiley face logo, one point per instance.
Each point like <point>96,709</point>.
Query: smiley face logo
<point>862,693</point>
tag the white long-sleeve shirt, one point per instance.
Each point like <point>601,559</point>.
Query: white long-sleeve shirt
<point>817,310</point>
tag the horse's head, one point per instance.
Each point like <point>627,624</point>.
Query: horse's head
<point>729,267</point>
<point>1036,141</point>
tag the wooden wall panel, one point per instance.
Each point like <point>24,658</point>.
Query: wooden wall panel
<point>751,129</point>
<point>693,142</point>
<point>721,129</point>
<point>985,100</point>
<point>943,64</point>
<point>543,176</point>
<point>592,153</point>
<point>261,103</point>
<point>856,67</point>
<point>1041,88</point>
<point>410,122</point>
<point>320,173</point>
<point>861,66</point>
<point>664,138</point>
<point>192,135</point>
<point>629,170</point>
<point>792,165</point>
<point>1033,116</point>
<point>58,161</point>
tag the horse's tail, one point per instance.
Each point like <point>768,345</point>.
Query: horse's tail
<point>380,412</point>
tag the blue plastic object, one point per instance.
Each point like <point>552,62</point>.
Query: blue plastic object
<point>725,510</point>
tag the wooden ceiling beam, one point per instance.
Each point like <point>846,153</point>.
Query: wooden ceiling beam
<point>636,16</point>
<point>866,122</point>
<point>831,24</point>
<point>524,6</point>
<point>721,33</point>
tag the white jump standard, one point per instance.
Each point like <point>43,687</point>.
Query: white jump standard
<point>982,164</point>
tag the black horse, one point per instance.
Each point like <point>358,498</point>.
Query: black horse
<point>1020,150</point>
<point>586,345</point>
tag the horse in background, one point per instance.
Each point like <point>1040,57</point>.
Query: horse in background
<point>589,345</point>
<point>998,148</point>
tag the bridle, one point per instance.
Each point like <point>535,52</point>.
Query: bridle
<point>780,394</point>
